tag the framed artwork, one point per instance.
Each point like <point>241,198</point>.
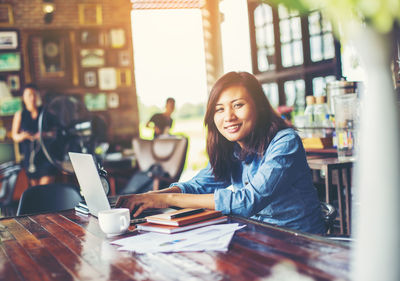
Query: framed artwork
<point>90,14</point>
<point>10,106</point>
<point>8,40</point>
<point>95,101</point>
<point>13,82</point>
<point>90,79</point>
<point>112,100</point>
<point>124,58</point>
<point>124,78</point>
<point>117,38</point>
<point>10,61</point>
<point>107,78</point>
<point>6,15</point>
<point>52,56</point>
<point>92,57</point>
<point>90,37</point>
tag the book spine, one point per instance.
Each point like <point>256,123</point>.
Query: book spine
<point>166,222</point>
<point>186,221</point>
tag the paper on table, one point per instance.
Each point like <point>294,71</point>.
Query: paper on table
<point>155,242</point>
<point>219,244</point>
<point>213,237</point>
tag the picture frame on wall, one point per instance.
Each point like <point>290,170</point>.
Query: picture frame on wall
<point>90,79</point>
<point>95,102</point>
<point>124,58</point>
<point>112,100</point>
<point>90,37</point>
<point>13,82</point>
<point>10,61</point>
<point>124,77</point>
<point>92,57</point>
<point>8,40</point>
<point>117,38</point>
<point>107,78</point>
<point>52,56</point>
<point>90,14</point>
<point>6,15</point>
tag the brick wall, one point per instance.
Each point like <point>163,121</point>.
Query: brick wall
<point>28,21</point>
<point>29,13</point>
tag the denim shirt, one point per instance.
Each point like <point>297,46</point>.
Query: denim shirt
<point>276,188</point>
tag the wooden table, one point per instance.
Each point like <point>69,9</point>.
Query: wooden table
<point>337,181</point>
<point>71,246</point>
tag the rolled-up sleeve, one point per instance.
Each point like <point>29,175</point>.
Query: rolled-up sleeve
<point>267,179</point>
<point>203,183</point>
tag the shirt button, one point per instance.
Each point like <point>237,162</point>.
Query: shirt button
<point>246,183</point>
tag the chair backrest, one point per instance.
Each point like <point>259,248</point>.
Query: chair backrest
<point>169,152</point>
<point>48,198</point>
<point>8,178</point>
<point>330,214</point>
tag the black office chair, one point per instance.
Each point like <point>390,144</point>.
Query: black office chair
<point>49,198</point>
<point>330,214</point>
<point>9,172</point>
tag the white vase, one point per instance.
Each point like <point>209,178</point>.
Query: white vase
<point>376,216</point>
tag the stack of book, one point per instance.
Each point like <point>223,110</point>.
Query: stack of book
<point>181,220</point>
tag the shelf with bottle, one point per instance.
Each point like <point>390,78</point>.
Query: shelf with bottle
<point>316,126</point>
<point>316,120</point>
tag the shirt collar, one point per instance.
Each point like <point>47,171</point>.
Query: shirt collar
<point>236,154</point>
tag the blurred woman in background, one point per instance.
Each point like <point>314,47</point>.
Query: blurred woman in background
<point>25,131</point>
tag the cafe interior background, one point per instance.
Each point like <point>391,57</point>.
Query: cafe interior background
<point>123,58</point>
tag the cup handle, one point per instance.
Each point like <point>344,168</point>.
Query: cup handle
<point>124,223</point>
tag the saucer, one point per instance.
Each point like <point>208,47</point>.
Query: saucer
<point>110,235</point>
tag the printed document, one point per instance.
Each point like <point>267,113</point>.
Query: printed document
<point>208,238</point>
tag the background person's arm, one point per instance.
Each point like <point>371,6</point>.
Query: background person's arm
<point>16,135</point>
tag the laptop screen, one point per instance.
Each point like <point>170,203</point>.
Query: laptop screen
<point>89,180</point>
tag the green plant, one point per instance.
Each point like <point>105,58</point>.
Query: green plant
<point>380,14</point>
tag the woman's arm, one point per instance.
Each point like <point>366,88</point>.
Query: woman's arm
<point>195,193</point>
<point>139,202</point>
<point>16,135</point>
<point>172,189</point>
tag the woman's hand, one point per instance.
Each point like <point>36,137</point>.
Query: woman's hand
<point>26,136</point>
<point>137,203</point>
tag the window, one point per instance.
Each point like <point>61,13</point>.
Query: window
<point>290,37</point>
<point>321,38</point>
<point>295,94</point>
<point>271,91</point>
<point>264,28</point>
<point>297,54</point>
<point>319,84</point>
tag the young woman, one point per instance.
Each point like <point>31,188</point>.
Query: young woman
<point>25,131</point>
<point>253,151</point>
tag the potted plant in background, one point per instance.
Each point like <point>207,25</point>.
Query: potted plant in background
<point>374,27</point>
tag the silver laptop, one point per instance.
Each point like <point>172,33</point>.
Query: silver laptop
<point>89,181</point>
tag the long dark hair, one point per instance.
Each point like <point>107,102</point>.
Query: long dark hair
<point>268,123</point>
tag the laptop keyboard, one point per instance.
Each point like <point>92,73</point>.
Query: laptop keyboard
<point>113,201</point>
<point>139,219</point>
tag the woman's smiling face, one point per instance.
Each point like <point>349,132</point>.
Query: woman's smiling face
<point>235,114</point>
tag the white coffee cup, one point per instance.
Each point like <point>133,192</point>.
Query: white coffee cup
<point>115,221</point>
